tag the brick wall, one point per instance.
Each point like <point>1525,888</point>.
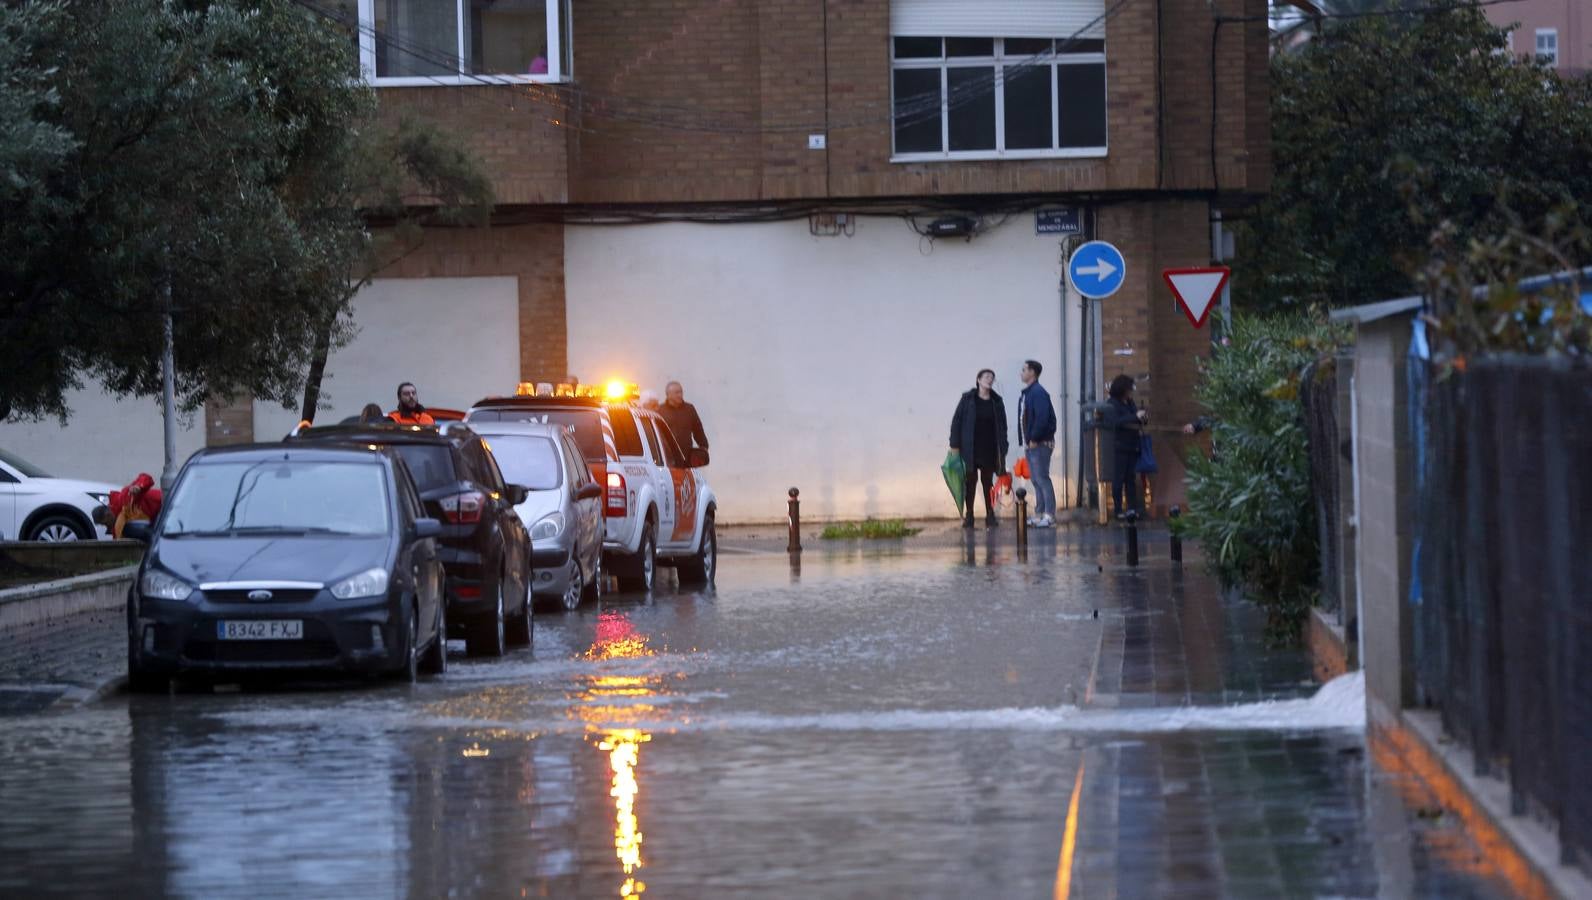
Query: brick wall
<point>532,253</point>
<point>505,126</point>
<point>756,76</point>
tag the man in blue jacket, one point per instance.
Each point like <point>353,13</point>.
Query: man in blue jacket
<point>1036,429</point>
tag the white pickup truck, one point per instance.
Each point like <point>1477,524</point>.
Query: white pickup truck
<point>656,506</point>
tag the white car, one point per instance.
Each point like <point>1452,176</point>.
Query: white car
<point>37,507</point>
<point>563,508</point>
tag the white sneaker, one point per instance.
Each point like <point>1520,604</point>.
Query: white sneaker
<point>1032,520</point>
<point>1045,521</point>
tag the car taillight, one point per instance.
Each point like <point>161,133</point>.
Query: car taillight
<point>463,509</point>
<point>616,495</point>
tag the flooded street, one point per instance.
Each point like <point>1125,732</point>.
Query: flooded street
<point>945,721</point>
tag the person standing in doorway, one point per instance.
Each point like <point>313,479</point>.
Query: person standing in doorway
<point>1126,422</point>
<point>409,411</point>
<point>1036,426</point>
<point>682,419</point>
<point>978,432</point>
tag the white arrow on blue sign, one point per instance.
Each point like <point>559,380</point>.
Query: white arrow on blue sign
<point>1096,270</point>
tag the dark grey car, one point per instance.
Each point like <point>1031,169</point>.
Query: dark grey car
<point>272,557</point>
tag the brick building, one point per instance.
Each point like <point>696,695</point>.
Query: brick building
<point>1552,30</point>
<point>795,151</point>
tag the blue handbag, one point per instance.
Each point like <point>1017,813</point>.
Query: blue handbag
<point>1146,464</point>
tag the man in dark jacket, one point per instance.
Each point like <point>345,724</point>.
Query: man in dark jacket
<point>682,419</point>
<point>1036,428</point>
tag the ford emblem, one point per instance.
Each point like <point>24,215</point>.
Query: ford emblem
<point>259,595</point>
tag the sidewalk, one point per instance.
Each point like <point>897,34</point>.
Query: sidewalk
<point>64,661</point>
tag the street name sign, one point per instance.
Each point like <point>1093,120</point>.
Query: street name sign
<point>1068,220</point>
<point>1096,270</point>
<point>1196,289</point>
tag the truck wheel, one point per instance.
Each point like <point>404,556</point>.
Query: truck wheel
<point>700,569</point>
<point>643,569</point>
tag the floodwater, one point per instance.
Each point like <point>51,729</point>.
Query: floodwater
<point>942,722</point>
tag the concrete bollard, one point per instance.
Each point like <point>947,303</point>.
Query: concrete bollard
<point>1022,516</point>
<point>1132,518</point>
<point>1177,542</point>
<point>794,544</point>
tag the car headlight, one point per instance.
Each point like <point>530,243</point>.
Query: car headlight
<point>102,499</point>
<point>551,526</point>
<point>369,583</point>
<point>159,585</point>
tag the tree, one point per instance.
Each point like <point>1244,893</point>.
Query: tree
<point>200,156</point>
<point>1385,126</point>
<point>408,176</point>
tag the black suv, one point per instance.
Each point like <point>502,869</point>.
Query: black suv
<point>484,546</point>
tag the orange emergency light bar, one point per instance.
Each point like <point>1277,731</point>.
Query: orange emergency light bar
<point>615,391</point>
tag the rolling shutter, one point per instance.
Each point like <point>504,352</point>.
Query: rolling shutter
<point>996,18</point>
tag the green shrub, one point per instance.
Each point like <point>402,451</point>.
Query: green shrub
<point>1249,501</point>
<point>871,528</point>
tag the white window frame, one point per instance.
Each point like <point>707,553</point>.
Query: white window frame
<point>555,73</point>
<point>1553,57</point>
<point>999,62</point>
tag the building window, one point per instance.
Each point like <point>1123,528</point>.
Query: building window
<point>997,98</point>
<point>428,42</point>
<point>1548,45</point>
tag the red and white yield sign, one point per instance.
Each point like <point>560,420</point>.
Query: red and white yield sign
<point>1196,290</point>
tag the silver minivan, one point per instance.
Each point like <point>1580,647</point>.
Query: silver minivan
<point>562,509</point>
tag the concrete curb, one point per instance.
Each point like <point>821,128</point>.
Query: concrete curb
<point>1525,850</point>
<point>47,600</point>
<point>1329,650</point>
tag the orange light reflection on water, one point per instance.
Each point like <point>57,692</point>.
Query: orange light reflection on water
<point>617,638</point>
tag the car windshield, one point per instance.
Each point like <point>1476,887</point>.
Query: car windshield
<point>22,465</point>
<point>527,459</point>
<point>276,495</point>
<point>430,464</point>
<point>583,423</point>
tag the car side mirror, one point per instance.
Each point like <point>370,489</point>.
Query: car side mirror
<point>697,458</point>
<point>518,493</point>
<point>589,491</point>
<point>428,528</point>
<point>137,531</point>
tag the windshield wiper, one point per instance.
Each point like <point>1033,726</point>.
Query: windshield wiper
<point>261,530</point>
<point>242,493</point>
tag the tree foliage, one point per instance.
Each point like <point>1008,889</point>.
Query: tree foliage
<point>1249,501</point>
<point>1385,126</point>
<point>210,157</point>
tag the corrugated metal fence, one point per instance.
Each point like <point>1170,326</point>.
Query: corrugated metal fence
<point>1502,600</point>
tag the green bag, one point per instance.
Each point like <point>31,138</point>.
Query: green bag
<point>955,472</point>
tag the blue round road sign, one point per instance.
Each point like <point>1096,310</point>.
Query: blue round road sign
<point>1096,270</point>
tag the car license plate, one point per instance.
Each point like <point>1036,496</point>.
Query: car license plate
<point>260,630</point>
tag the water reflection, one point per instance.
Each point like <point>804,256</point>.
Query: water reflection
<point>608,700</point>
<point>624,753</point>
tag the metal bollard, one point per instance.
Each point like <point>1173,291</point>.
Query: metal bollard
<point>1132,518</point>
<point>1177,542</point>
<point>1022,516</point>
<point>794,544</point>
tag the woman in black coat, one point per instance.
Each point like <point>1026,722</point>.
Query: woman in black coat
<point>1125,421</point>
<point>978,432</point>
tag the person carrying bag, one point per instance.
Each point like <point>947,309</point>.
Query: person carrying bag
<point>978,433</point>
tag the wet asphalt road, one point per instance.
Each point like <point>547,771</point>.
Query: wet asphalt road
<point>943,720</point>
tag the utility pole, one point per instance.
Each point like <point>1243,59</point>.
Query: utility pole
<point>1221,252</point>
<point>168,391</point>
